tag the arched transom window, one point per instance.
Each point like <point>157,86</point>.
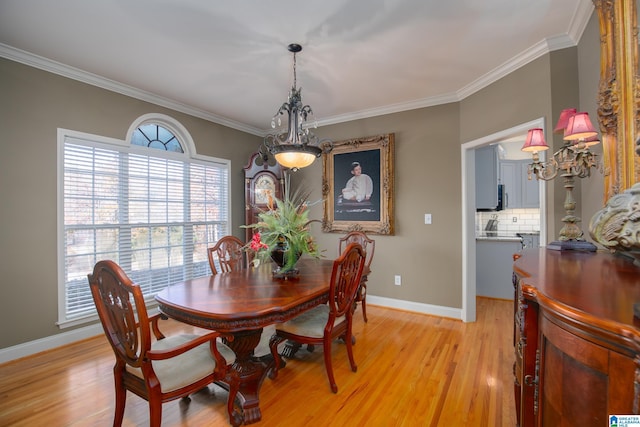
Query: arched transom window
<point>153,135</point>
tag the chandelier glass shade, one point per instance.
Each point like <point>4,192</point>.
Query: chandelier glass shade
<point>298,146</point>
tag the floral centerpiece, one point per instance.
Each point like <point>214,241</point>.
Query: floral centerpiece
<point>282,232</point>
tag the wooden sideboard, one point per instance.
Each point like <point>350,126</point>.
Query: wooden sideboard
<point>576,341</point>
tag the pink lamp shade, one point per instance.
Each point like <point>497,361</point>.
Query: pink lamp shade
<point>535,141</point>
<point>579,127</point>
<point>563,121</point>
<point>593,140</point>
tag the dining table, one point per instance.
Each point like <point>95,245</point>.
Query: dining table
<point>239,304</point>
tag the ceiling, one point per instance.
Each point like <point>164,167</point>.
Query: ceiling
<point>228,61</point>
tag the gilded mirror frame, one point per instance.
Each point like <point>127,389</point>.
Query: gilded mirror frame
<point>619,94</point>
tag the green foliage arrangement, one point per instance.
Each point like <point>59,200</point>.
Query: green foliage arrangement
<point>285,223</point>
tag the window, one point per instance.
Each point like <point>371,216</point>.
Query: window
<point>151,207</point>
<point>153,135</point>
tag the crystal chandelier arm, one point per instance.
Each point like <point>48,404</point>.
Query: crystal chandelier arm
<point>283,108</point>
<point>306,111</point>
<point>297,146</point>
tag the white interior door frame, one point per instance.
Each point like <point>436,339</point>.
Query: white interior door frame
<point>467,158</point>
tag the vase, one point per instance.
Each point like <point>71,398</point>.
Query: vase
<point>279,255</point>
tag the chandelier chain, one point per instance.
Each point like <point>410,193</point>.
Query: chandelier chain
<point>295,80</point>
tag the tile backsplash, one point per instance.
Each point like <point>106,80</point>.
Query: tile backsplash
<point>527,221</point>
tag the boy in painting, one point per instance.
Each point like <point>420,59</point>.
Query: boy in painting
<point>359,187</point>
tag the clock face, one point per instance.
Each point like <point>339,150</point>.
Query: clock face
<point>265,187</point>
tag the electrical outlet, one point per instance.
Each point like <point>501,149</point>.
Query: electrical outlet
<point>515,219</point>
<point>398,280</point>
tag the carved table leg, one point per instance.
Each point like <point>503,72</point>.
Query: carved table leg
<point>245,378</point>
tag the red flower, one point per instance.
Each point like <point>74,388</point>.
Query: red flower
<point>257,244</point>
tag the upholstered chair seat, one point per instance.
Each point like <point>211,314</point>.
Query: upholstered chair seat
<point>185,368</point>
<point>310,323</point>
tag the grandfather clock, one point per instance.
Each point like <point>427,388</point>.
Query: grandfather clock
<point>261,180</point>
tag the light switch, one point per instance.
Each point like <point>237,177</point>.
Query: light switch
<point>427,218</point>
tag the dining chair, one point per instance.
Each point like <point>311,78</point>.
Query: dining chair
<point>327,322</point>
<point>230,254</point>
<point>158,370</point>
<point>369,246</point>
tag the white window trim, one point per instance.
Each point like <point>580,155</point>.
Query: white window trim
<point>63,134</point>
<point>171,124</point>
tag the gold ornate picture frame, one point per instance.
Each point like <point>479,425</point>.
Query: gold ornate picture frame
<point>619,94</point>
<point>358,187</point>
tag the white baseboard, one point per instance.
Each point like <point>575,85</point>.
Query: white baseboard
<point>435,310</point>
<point>48,343</point>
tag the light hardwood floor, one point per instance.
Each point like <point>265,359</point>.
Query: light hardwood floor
<point>413,370</point>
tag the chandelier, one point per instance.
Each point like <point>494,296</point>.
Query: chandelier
<point>573,160</point>
<point>297,147</point>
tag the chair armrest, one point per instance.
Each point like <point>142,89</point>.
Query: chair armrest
<point>211,337</point>
<point>154,324</point>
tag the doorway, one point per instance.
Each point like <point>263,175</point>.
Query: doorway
<point>469,211</point>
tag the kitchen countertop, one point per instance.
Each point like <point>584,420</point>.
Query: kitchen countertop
<point>511,238</point>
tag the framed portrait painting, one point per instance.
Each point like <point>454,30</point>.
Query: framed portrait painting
<point>357,185</point>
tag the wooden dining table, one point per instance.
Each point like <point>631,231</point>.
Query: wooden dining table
<point>240,304</point>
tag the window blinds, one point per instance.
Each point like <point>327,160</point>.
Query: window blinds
<point>153,213</point>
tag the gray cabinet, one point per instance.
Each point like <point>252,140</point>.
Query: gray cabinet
<point>530,240</point>
<point>520,192</point>
<point>486,177</point>
<point>509,179</point>
<point>494,267</point>
<point>530,189</point>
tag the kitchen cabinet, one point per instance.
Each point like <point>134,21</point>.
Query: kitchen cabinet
<point>530,188</point>
<point>494,266</point>
<point>520,192</point>
<point>509,179</point>
<point>576,340</point>
<point>487,177</point>
<point>530,240</point>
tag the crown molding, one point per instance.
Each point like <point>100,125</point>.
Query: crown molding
<point>114,86</point>
<point>581,20</point>
<point>389,109</point>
